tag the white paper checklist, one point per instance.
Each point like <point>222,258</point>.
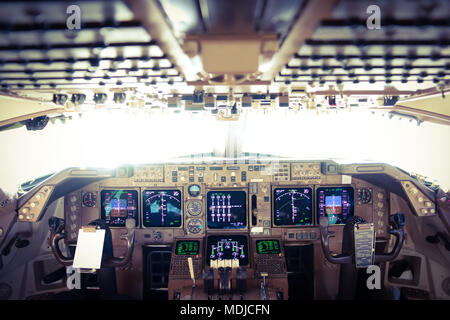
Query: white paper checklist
<point>88,254</point>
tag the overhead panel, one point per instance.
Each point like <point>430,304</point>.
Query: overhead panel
<point>411,45</point>
<point>111,48</point>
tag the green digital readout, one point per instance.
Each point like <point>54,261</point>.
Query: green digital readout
<point>268,246</point>
<point>187,247</point>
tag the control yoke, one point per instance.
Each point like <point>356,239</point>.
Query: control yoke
<point>396,221</point>
<point>56,226</point>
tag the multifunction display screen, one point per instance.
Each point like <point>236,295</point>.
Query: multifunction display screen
<point>227,209</point>
<point>118,206</point>
<point>292,206</point>
<point>335,203</point>
<point>162,208</point>
<point>227,247</point>
<point>187,247</point>
<point>268,247</point>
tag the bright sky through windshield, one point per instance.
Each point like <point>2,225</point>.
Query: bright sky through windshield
<point>107,138</point>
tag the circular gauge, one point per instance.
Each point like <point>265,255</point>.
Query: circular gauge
<point>194,190</point>
<point>364,195</point>
<point>157,235</point>
<point>194,226</point>
<point>89,199</point>
<point>194,207</point>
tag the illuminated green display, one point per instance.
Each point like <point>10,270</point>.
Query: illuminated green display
<point>268,247</point>
<point>187,247</point>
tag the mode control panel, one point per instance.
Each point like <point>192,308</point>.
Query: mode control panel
<point>149,174</point>
<point>229,174</point>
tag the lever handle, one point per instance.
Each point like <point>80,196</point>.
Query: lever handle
<point>191,270</point>
<point>325,236</point>
<point>397,221</point>
<point>57,235</point>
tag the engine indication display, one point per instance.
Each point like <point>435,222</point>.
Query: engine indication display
<point>336,203</point>
<point>268,247</point>
<point>227,247</point>
<point>187,247</point>
<point>293,206</point>
<point>226,209</point>
<point>162,208</point>
<point>118,206</point>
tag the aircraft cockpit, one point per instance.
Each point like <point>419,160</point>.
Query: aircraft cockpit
<point>224,150</point>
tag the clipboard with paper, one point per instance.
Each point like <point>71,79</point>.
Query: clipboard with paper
<point>89,250</point>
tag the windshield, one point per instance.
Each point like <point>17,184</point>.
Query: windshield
<point>108,138</point>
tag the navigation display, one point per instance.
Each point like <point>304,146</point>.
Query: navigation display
<point>336,203</point>
<point>292,206</point>
<point>268,247</point>
<point>187,247</point>
<point>227,247</point>
<point>118,206</point>
<point>226,209</point>
<point>162,208</point>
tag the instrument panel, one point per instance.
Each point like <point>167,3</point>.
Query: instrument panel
<point>119,205</point>
<point>162,208</point>
<point>292,206</point>
<point>227,247</point>
<point>187,247</point>
<point>285,199</point>
<point>226,209</point>
<point>335,203</point>
<point>221,215</point>
<point>268,247</point>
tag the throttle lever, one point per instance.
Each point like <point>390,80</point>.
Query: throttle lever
<point>263,288</point>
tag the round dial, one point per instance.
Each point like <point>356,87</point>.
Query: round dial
<point>194,226</point>
<point>89,199</point>
<point>157,235</point>
<point>364,195</point>
<point>194,190</point>
<point>194,207</point>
